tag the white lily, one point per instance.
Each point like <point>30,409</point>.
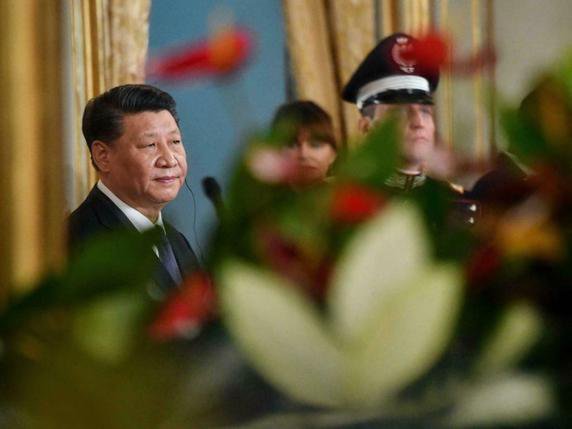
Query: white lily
<point>391,311</point>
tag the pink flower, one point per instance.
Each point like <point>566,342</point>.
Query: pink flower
<point>272,166</point>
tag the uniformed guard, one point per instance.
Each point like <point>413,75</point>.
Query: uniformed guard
<point>390,80</point>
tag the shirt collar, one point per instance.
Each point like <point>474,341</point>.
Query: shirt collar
<point>138,219</point>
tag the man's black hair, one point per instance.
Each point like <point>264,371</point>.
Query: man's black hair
<point>103,115</point>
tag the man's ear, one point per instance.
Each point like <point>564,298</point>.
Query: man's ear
<point>364,124</point>
<point>100,154</point>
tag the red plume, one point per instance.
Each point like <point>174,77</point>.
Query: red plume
<point>220,55</point>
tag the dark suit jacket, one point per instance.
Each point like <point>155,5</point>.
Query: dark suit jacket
<point>98,214</point>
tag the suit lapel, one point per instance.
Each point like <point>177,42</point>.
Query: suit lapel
<point>186,259</point>
<point>111,217</point>
<point>108,214</point>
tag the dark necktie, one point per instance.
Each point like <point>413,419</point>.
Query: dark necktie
<point>167,257</point>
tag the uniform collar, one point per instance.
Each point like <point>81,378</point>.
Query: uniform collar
<point>405,180</point>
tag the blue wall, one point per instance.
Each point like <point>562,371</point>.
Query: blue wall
<point>215,115</point>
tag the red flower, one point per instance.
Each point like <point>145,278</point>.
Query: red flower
<point>482,266</point>
<point>435,50</point>
<point>354,203</point>
<point>311,273</point>
<point>430,51</point>
<point>219,55</point>
<point>185,311</point>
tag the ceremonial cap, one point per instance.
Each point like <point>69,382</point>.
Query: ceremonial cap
<point>390,74</point>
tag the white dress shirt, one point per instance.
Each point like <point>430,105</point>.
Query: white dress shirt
<point>141,222</point>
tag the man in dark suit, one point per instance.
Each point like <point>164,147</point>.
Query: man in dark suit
<point>135,143</point>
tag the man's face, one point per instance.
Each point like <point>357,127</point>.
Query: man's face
<point>146,166</point>
<point>418,129</point>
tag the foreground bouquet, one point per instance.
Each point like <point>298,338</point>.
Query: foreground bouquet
<point>389,312</point>
<point>345,297</point>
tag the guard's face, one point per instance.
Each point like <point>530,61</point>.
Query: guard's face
<point>146,166</point>
<point>418,129</point>
<point>314,157</point>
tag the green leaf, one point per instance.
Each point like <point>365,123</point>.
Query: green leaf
<point>375,158</point>
<point>381,258</point>
<point>109,327</point>
<point>42,296</point>
<point>409,333</point>
<point>118,260</point>
<point>115,261</point>
<point>518,330</point>
<point>282,333</point>
<point>525,140</point>
<point>563,72</point>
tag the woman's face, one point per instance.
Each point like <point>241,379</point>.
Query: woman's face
<point>314,157</point>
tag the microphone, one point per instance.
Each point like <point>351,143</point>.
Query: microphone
<point>213,192</point>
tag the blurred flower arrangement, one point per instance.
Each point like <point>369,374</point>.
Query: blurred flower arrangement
<point>354,304</point>
<point>347,297</point>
